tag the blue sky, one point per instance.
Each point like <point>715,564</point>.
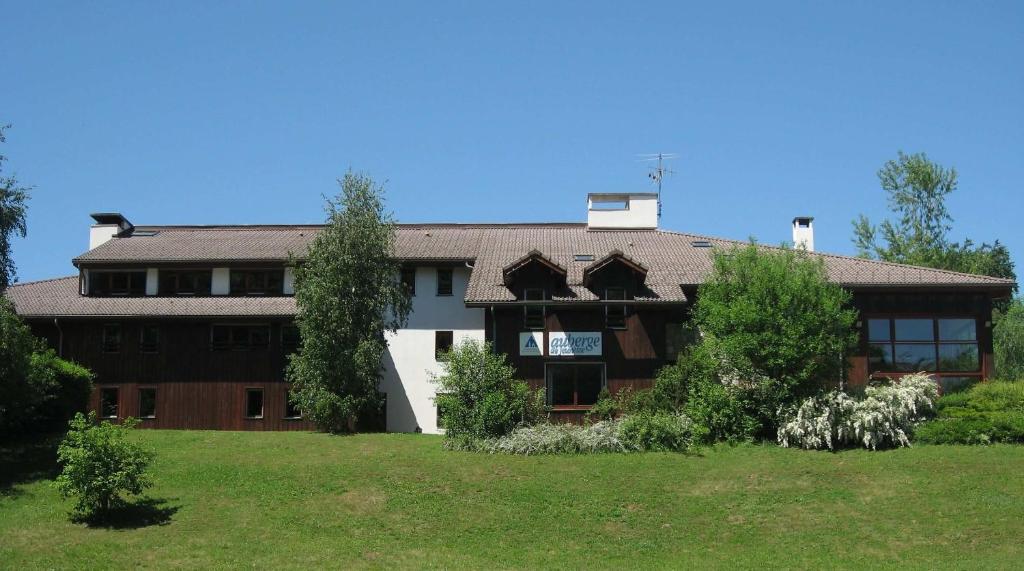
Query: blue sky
<point>190,113</point>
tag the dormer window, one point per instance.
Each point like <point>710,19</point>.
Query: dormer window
<point>533,314</point>
<point>615,314</point>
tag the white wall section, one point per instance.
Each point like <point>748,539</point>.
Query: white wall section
<point>289,281</point>
<point>152,281</point>
<point>221,281</point>
<point>409,361</point>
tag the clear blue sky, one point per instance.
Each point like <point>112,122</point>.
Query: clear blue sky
<point>248,112</point>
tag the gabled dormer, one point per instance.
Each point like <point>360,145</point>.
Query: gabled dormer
<point>615,270</point>
<point>534,270</point>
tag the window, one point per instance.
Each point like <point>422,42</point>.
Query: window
<point>935,345</point>
<point>185,282</point>
<point>257,282</point>
<point>253,403</point>
<point>444,281</point>
<point>290,339</point>
<point>443,341</point>
<point>533,315</point>
<point>574,385</point>
<point>440,413</point>
<point>147,403</point>
<point>615,315</point>
<point>111,339</point>
<point>291,410</point>
<point>117,284</point>
<point>408,279</point>
<point>239,337</point>
<point>108,402</point>
<point>149,339</point>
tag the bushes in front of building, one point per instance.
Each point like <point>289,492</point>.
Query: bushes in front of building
<point>640,432</point>
<point>986,413</point>
<point>479,396</point>
<point>1008,340</point>
<point>100,464</point>
<point>38,390</point>
<point>885,417</point>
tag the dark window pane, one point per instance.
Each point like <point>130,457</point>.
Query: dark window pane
<point>259,337</point>
<point>147,403</point>
<point>409,280</point>
<point>914,358</point>
<point>880,357</point>
<point>958,330</point>
<point>878,330</point>
<point>239,337</point>
<point>220,337</point>
<point>150,342</point>
<point>254,403</point>
<point>111,338</point>
<point>562,390</point>
<point>108,403</point>
<point>444,281</point>
<point>615,293</point>
<point>291,410</point>
<point>616,316</point>
<point>533,316</point>
<point>290,339</point>
<point>588,384</point>
<point>915,330</point>
<point>442,343</point>
<point>959,357</point>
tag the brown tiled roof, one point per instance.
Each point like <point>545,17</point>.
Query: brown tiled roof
<point>59,298</point>
<point>673,261</point>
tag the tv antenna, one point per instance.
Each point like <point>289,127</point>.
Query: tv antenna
<point>657,173</point>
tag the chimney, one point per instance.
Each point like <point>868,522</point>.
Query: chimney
<point>803,232</point>
<point>622,211</point>
<point>108,225</point>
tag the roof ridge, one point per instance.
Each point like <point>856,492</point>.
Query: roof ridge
<point>854,258</point>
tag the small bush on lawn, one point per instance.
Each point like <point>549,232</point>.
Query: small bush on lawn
<point>986,413</point>
<point>659,432</point>
<point>100,464</point>
<point>479,396</point>
<point>885,417</point>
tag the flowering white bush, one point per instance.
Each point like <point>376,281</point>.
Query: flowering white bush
<point>628,434</point>
<point>884,417</point>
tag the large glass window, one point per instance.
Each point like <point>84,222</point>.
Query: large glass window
<point>574,384</point>
<point>185,282</point>
<point>935,345</point>
<point>257,282</point>
<point>117,284</point>
<point>253,403</point>
<point>147,403</point>
<point>239,337</point>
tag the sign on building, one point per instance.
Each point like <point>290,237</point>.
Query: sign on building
<point>575,343</point>
<point>531,343</point>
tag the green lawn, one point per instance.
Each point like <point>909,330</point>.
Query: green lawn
<point>284,500</point>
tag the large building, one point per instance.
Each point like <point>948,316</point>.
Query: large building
<point>190,326</point>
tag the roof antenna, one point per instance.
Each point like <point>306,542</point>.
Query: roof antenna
<point>658,173</point>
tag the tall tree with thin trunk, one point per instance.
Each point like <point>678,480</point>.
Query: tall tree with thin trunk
<point>13,199</point>
<point>348,295</point>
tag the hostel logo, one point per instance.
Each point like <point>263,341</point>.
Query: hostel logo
<point>530,343</point>
<point>565,344</point>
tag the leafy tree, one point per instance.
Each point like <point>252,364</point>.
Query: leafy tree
<point>777,326</point>
<point>917,189</point>
<point>1008,338</point>
<point>100,464</point>
<point>479,396</point>
<point>16,347</point>
<point>348,296</point>
<point>13,198</point>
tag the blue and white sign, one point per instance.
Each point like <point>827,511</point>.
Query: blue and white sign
<point>531,343</point>
<point>575,343</point>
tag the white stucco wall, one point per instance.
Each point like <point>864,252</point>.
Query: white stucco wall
<point>101,233</point>
<point>220,281</point>
<point>152,281</point>
<point>641,211</point>
<point>409,361</point>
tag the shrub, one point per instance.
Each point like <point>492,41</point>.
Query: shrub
<point>1008,341</point>
<point>480,397</point>
<point>724,412</point>
<point>776,324</point>
<point>988,412</point>
<point>63,386</point>
<point>100,463</point>
<point>636,433</point>
<point>884,417</point>
<point>659,431</point>
<point>626,401</point>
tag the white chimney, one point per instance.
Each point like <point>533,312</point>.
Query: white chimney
<point>803,233</point>
<point>108,225</point>
<point>628,211</point>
